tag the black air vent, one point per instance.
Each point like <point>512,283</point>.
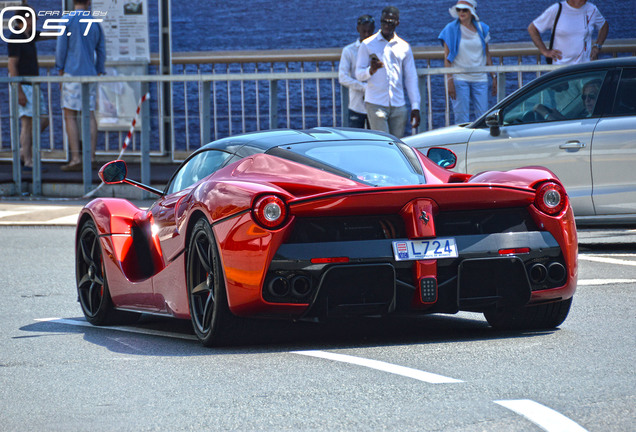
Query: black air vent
<point>349,228</point>
<point>483,222</point>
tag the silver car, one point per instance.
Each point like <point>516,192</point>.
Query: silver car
<point>578,121</point>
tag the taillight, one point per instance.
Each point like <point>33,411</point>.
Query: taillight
<point>270,211</point>
<point>550,198</point>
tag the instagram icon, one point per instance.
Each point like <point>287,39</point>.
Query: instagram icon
<point>21,15</point>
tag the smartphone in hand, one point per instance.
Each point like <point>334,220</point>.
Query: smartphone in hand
<point>375,63</point>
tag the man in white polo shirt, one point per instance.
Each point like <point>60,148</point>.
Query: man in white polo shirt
<point>573,33</point>
<point>385,61</point>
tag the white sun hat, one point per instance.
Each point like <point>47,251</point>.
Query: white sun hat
<point>471,5</point>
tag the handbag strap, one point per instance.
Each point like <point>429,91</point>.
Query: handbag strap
<point>556,20</point>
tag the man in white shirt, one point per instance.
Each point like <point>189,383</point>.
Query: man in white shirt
<point>385,62</point>
<point>347,73</point>
<point>573,33</point>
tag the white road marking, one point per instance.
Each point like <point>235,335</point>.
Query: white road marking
<point>628,255</point>
<point>38,215</point>
<point>382,366</point>
<point>541,415</point>
<point>24,223</point>
<point>7,213</point>
<point>38,208</point>
<point>120,340</point>
<point>64,220</point>
<point>605,260</point>
<point>589,282</point>
<point>118,328</point>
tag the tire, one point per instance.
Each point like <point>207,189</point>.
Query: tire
<point>212,321</point>
<point>92,284</point>
<point>545,316</point>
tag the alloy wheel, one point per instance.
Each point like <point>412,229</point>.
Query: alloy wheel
<point>201,280</point>
<point>90,270</point>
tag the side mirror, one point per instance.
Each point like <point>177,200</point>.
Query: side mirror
<point>493,121</point>
<point>442,157</point>
<point>114,172</point>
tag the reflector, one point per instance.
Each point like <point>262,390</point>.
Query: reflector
<point>329,260</point>
<point>514,251</point>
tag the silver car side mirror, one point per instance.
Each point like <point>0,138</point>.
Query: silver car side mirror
<point>493,121</point>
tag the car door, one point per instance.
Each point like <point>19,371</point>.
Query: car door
<point>168,285</point>
<point>614,152</point>
<point>545,126</point>
<point>193,170</point>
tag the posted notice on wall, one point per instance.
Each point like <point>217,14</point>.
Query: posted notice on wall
<point>125,26</point>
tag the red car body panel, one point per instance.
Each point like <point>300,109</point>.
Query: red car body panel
<point>157,284</point>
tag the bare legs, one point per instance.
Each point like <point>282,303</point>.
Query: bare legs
<point>72,132</point>
<point>26,138</point>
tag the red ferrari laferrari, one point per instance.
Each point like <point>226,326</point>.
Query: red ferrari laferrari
<point>310,225</point>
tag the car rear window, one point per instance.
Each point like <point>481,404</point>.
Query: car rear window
<point>377,163</point>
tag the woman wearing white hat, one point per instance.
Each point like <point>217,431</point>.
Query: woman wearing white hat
<point>465,42</point>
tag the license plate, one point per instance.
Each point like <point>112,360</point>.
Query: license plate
<point>410,250</point>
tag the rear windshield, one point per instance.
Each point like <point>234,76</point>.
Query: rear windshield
<point>373,162</point>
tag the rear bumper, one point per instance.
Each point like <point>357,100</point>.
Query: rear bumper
<point>371,282</point>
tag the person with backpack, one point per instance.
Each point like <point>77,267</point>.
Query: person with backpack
<point>572,24</point>
<point>465,42</point>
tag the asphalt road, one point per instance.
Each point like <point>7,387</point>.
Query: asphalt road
<point>436,373</point>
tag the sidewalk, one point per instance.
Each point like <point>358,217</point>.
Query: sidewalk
<point>53,212</point>
<point>60,184</point>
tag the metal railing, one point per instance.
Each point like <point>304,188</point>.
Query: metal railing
<point>217,94</point>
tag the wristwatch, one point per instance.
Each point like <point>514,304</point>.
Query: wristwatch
<point>598,45</point>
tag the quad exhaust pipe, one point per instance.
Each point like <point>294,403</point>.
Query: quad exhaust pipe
<point>554,273</point>
<point>297,286</point>
<point>278,286</point>
<point>300,286</point>
<point>538,273</point>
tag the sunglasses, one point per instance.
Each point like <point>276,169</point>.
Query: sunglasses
<point>366,21</point>
<point>460,10</point>
<point>589,97</point>
<point>389,22</point>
